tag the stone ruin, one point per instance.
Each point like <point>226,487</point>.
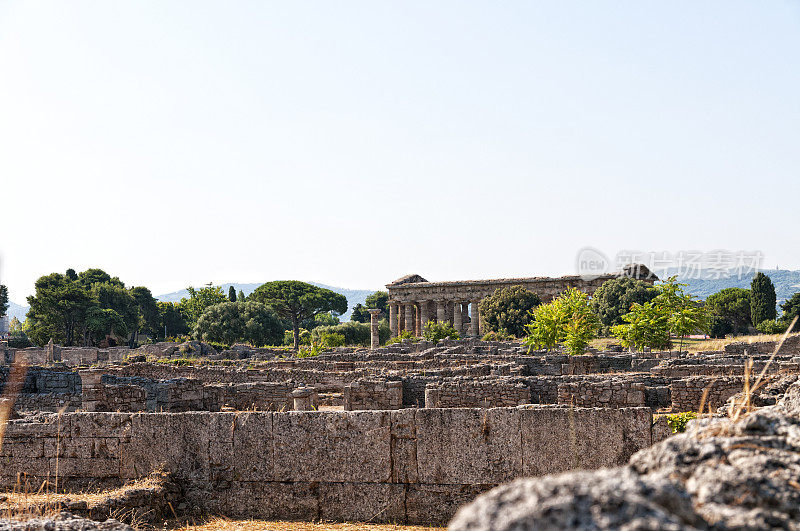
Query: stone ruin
<point>408,432</point>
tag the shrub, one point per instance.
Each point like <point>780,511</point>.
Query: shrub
<point>677,421</point>
<point>434,331</point>
<point>509,309</point>
<point>567,320</point>
<point>232,322</point>
<point>354,333</point>
<point>405,334</point>
<point>331,340</point>
<point>500,335</point>
<point>19,340</point>
<point>672,312</point>
<point>720,327</point>
<point>772,327</point>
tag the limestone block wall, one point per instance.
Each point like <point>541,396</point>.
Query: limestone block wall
<point>615,392</point>
<point>102,397</point>
<point>373,394</point>
<point>51,402</point>
<point>259,396</point>
<point>478,394</point>
<point>687,393</point>
<point>405,466</point>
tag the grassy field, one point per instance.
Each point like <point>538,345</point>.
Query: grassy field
<point>698,345</point>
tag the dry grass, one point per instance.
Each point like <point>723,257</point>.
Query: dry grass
<point>216,524</point>
<point>699,345</point>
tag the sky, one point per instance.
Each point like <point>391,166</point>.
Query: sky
<point>177,143</point>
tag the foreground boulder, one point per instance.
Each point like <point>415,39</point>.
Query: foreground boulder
<point>63,522</point>
<point>740,473</point>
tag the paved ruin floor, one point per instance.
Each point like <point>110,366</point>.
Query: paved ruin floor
<point>264,525</point>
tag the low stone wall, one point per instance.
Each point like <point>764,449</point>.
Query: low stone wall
<point>481,394</point>
<point>372,394</point>
<point>688,393</point>
<point>615,392</point>
<point>258,396</point>
<point>406,466</point>
<point>50,402</point>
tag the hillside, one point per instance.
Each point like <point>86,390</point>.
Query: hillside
<point>786,283</point>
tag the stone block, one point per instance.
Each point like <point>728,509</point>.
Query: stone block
<point>362,502</point>
<point>436,504</point>
<point>332,446</point>
<point>404,446</point>
<point>253,446</point>
<point>461,446</point>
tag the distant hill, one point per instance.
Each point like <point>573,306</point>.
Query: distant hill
<point>354,296</point>
<point>17,310</point>
<point>786,283</point>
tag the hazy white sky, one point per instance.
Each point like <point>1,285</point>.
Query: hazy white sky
<point>350,143</point>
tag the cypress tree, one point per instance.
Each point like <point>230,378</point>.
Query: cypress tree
<point>240,297</point>
<point>231,294</point>
<point>762,299</point>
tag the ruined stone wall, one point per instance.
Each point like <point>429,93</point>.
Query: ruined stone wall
<point>50,402</point>
<point>258,396</point>
<point>373,394</point>
<point>125,398</point>
<point>687,393</point>
<point>614,392</point>
<point>406,466</point>
<point>479,394</point>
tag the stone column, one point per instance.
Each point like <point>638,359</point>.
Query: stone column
<point>393,308</point>
<point>417,323</point>
<point>375,340</point>
<point>475,318</point>
<point>457,316</point>
<point>441,311</point>
<point>423,315</point>
<point>409,307</point>
<point>464,313</point>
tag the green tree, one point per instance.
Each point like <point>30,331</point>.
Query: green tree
<point>240,296</point>
<point>509,310</point>
<point>3,300</point>
<point>377,301</point>
<point>232,322</point>
<point>615,297</point>
<point>147,314</point>
<point>199,300</point>
<point>112,295</point>
<point>567,320</point>
<point>232,294</point>
<point>762,299</point>
<point>172,320</point>
<point>671,312</point>
<point>354,333</point>
<point>57,310</point>
<point>297,301</point>
<point>104,322</point>
<point>791,309</point>
<point>360,314</point>
<point>731,305</point>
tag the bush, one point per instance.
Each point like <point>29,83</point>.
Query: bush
<point>434,331</point>
<point>567,320</point>
<point>19,340</point>
<point>677,421</point>
<point>405,334</point>
<point>509,309</point>
<point>500,335</point>
<point>354,333</point>
<point>331,340</point>
<point>772,327</point>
